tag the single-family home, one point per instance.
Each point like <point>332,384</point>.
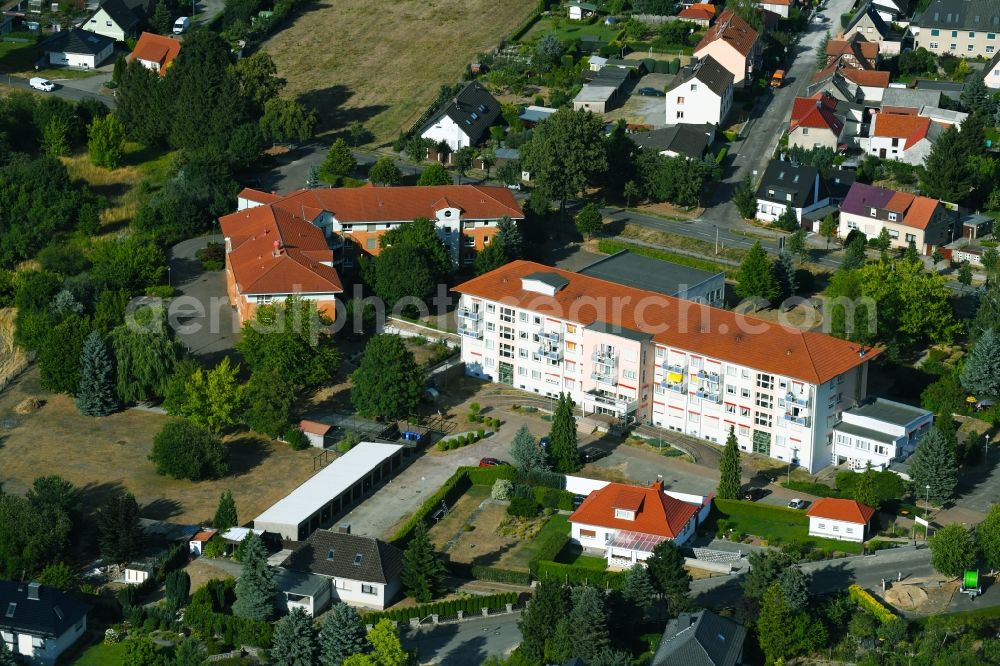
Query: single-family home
<point>856,52</point>
<point>879,432</point>
<point>117,19</point>
<point>734,44</point>
<point>991,73</point>
<point>701,639</point>
<point>700,14</point>
<point>692,141</point>
<point>868,23</point>
<point>315,432</point>
<point>155,52</point>
<point>296,589</point>
<point>779,7</point>
<point>581,10</point>
<point>968,28</point>
<point>197,543</point>
<point>465,120</point>
<point>624,522</point>
<point>78,48</point>
<point>700,94</point>
<point>842,519</point>
<point>362,570</point>
<point>814,123</point>
<point>902,137</point>
<point>909,218</point>
<point>38,622</point>
<point>889,10</point>
<point>787,185</point>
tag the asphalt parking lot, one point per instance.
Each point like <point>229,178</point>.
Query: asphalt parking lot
<point>642,110</point>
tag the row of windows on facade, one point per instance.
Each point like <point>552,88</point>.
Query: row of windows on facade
<point>954,47</point>
<point>954,33</point>
<point>862,444</point>
<point>893,234</point>
<point>836,528</point>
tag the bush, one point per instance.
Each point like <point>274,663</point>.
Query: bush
<point>523,507</point>
<point>480,434</point>
<point>574,575</point>
<point>184,450</point>
<point>498,575</point>
<point>862,598</point>
<point>297,439</point>
<point>160,291</point>
<point>453,488</point>
<point>552,538</point>
<point>553,498</point>
<point>888,485</point>
<point>212,257</point>
<point>811,488</point>
<point>502,489</point>
<point>487,476</point>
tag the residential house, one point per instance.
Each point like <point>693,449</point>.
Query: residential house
<point>38,622</point>
<point>308,591</point>
<point>779,7</point>
<point>624,522</point>
<point>635,355</point>
<point>902,137</point>
<point>78,48</point>
<point>908,217</point>
<point>155,52</point>
<point>892,10</point>
<point>856,52</point>
<point>691,141</point>
<point>733,44</point>
<point>602,91</point>
<point>814,123</point>
<point>581,10</point>
<point>700,94</point>
<point>701,639</point>
<point>662,277</point>
<point>869,24</point>
<point>991,73</point>
<point>878,433</point>
<point>870,84</point>
<point>117,19</point>
<point>841,519</point>
<point>968,28</point>
<point>465,120</point>
<point>362,570</point>
<point>908,100</point>
<point>315,432</point>
<point>700,14</point>
<point>787,185</point>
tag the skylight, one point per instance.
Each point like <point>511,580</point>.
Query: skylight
<point>11,608</point>
<point>329,554</point>
<point>357,559</point>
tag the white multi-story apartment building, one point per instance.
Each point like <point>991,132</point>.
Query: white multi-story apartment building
<point>638,355</point>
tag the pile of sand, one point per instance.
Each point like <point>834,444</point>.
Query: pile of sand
<point>29,405</point>
<point>906,597</point>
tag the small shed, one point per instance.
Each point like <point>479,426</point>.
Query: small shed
<point>140,571</point>
<point>581,10</point>
<point>315,432</point>
<point>198,541</point>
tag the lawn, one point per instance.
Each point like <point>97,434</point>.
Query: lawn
<point>388,60</point>
<point>18,56</point>
<point>776,524</point>
<point>566,29</point>
<point>101,455</point>
<point>519,558</point>
<point>571,554</point>
<point>102,655</point>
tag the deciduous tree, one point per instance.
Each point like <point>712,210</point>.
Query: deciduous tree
<point>988,537</point>
<point>59,354</point>
<point>258,80</point>
<point>95,395</point>
<point>214,398</point>
<point>953,550</point>
<point>745,198</point>
<point>386,648</point>
<point>269,399</point>
<point>589,221</point>
<point>287,120</point>
<point>106,143</point>
<point>339,162</point>
<point>294,641</point>
<point>423,573</point>
<point>866,488</point>
<point>388,383</point>
<point>385,172</point>
<point>146,354</point>
<point>565,152</point>
<point>255,587</point>
<point>755,278</point>
<point>185,450</point>
<point>434,174</point>
<point>730,482</point>
<point>828,229</point>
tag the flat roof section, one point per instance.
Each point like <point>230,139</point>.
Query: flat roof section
<point>889,411</point>
<point>635,270</point>
<point>328,483</point>
<point>866,433</point>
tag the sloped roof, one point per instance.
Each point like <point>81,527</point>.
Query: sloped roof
<point>806,355</point>
<point>700,639</point>
<point>76,40</point>
<point>251,194</point>
<point>656,513</point>
<point>352,556</point>
<point>900,126</point>
<point>816,111</point>
<point>871,13</point>
<point>979,15</point>
<point>857,46</point>
<point>156,48</point>
<point>707,71</point>
<point>314,427</point>
<point>910,98</point>
<point>473,109</point>
<point>50,615</point>
<point>917,211</point>
<point>733,30</point>
<point>787,178</point>
<point>870,78</point>
<point>123,15</point>
<point>700,11</point>
<point>846,510</point>
<point>690,140</point>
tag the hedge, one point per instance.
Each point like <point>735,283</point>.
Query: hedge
<point>812,488</point>
<point>861,597</point>
<point>572,574</point>
<point>494,574</point>
<point>526,26</point>
<point>453,488</point>
<point>469,605</point>
<point>234,630</point>
<point>551,539</point>
<point>487,476</point>
<point>552,498</point>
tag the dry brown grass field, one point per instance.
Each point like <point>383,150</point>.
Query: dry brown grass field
<point>383,63</point>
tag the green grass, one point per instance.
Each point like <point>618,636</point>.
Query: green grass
<point>102,655</point>
<point>963,616</point>
<point>776,524</point>
<point>18,56</point>
<point>610,247</point>
<point>557,523</point>
<point>574,555</point>
<point>567,29</point>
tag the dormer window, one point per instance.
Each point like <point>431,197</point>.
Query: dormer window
<point>624,514</point>
<point>892,217</point>
<point>873,212</point>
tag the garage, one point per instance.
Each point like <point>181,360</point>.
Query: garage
<point>78,48</point>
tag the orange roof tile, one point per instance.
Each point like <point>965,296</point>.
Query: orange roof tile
<point>259,196</point>
<point>656,512</point>
<point>857,46</point>
<point>205,535</point>
<point>156,48</point>
<point>921,212</point>
<point>846,510</point>
<point>702,12</point>
<point>314,427</point>
<point>891,125</point>
<point>816,111</point>
<point>870,78</point>
<point>733,30</point>
<point>806,355</point>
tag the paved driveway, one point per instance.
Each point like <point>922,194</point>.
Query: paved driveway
<point>461,643</point>
<point>200,313</point>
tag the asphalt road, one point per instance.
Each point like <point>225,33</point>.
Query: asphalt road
<point>463,643</point>
<point>63,90</point>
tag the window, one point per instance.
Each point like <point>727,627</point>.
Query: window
<point>680,100</point>
<point>954,33</point>
<point>744,430</point>
<point>588,534</point>
<point>490,326</point>
<point>745,411</point>
<point>730,389</point>
<point>107,23</point>
<point>991,36</point>
<point>522,353</point>
<point>522,372</point>
<point>37,642</point>
<point>881,449</point>
<point>570,330</point>
<point>624,514</point>
<point>694,87</point>
<point>506,350</point>
<point>836,528</point>
<point>368,589</point>
<point>969,48</point>
<point>329,554</point>
<point>764,401</point>
<point>730,408</point>
<point>989,49</point>
<point>765,381</point>
<point>822,526</point>
<point>490,307</point>
<point>630,374</point>
<point>507,315</point>
<point>522,316</point>
<point>935,33</point>
<point>536,374</point>
<point>953,47</point>
<point>850,530</point>
<point>972,35</point>
<point>933,45</point>
<point>744,393</point>
<point>805,130</point>
<point>911,238</point>
<point>873,212</point>
<point>892,216</point>
<point>680,114</point>
<point>895,143</point>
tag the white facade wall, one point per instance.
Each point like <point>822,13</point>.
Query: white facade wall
<point>915,154</point>
<point>365,594</point>
<point>858,451</point>
<point>136,576</point>
<point>313,605</point>
<point>836,529</point>
<point>694,103</point>
<point>155,66</point>
<point>992,77</point>
<point>779,9</point>
<point>447,130</point>
<point>85,60</point>
<point>899,235</point>
<point>102,24</point>
<point>813,137</point>
<point>44,650</point>
<point>957,42</point>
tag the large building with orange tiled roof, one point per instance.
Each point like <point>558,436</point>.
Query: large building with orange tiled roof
<point>904,137</point>
<point>631,355</point>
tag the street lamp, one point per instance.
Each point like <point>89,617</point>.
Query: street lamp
<point>169,282</point>
<point>927,510</point>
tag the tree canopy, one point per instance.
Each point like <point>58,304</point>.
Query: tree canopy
<point>566,151</point>
<point>388,383</point>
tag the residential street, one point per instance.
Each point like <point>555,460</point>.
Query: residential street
<point>462,643</point>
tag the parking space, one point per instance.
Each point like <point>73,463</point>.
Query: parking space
<point>642,109</point>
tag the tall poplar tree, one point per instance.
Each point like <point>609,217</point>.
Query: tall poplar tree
<point>563,454</point>
<point>729,469</point>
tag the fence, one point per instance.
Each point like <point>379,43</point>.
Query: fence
<point>654,19</point>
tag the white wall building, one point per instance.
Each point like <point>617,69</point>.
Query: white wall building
<point>39,623</point>
<point>845,520</point>
<point>879,432</point>
<point>701,94</point>
<point>633,354</point>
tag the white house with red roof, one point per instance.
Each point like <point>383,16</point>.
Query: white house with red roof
<point>843,519</point>
<point>779,7</point>
<point>902,137</point>
<point>735,45</point>
<point>626,522</point>
<point>815,123</point>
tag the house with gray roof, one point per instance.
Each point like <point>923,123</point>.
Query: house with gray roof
<point>967,28</point>
<point>78,48</point>
<point>118,19</point>
<point>991,73</point>
<point>909,98</point>
<point>790,185</point>
<point>361,570</point>
<point>38,623</point>
<point>691,141</point>
<point>465,120</point>
<point>879,432</point>
<point>701,639</point>
<point>701,93</point>
<point>868,23</point>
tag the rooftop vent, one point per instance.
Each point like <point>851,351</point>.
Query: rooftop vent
<point>344,528</point>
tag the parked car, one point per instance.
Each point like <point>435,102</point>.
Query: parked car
<point>38,83</point>
<point>491,462</point>
<point>592,453</point>
<point>514,186</point>
<point>651,92</point>
<point>753,494</point>
<point>181,25</point>
<point>578,500</point>
<point>797,504</point>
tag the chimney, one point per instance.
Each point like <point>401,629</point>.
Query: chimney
<point>33,590</point>
<point>344,528</point>
<point>278,248</point>
<point>657,485</point>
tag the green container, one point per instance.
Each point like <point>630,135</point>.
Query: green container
<point>971,580</point>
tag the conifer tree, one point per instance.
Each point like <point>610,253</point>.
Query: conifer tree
<point>527,455</point>
<point>755,278</point>
<point>745,199</point>
<point>509,236</point>
<point>342,635</point>
<point>563,453</point>
<point>934,465</point>
<point>538,623</point>
<point>637,588</point>
<point>981,372</point>
<point>730,481</point>
<point>423,573</point>
<point>225,513</point>
<point>589,622</point>
<point>6,658</point>
<point>294,640</point>
<point>96,392</point>
<point>255,587</point>
<point>784,276</point>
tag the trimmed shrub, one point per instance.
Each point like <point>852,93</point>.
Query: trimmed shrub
<point>552,538</point>
<point>552,498</point>
<point>811,488</point>
<point>523,507</point>
<point>862,598</point>
<point>498,575</point>
<point>574,575</point>
<point>453,488</point>
<point>480,434</point>
<point>487,476</point>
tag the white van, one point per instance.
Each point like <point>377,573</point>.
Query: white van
<point>181,25</point>
<point>38,83</point>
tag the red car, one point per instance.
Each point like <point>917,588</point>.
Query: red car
<point>491,462</point>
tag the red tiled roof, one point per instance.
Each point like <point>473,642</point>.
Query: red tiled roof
<point>722,334</point>
<point>857,46</point>
<point>846,510</point>
<point>816,111</point>
<point>156,48</point>
<point>204,535</point>
<point>703,12</point>
<point>733,30</point>
<point>655,512</point>
<point>870,78</point>
<point>260,197</point>
<point>314,427</point>
<point>911,128</point>
<point>274,252</point>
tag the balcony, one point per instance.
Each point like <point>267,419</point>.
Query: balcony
<point>474,333</point>
<point>551,337</point>
<point>604,357</point>
<point>710,396</point>
<point>595,399</point>
<point>469,313</point>
<point>710,377</point>
<point>791,400</point>
<point>547,354</point>
<point>676,387</point>
<point>674,368</point>
<point>605,378</point>
<point>798,420</point>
